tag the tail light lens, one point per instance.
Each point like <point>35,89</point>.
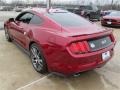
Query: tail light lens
<point>112,38</point>
<point>113,20</point>
<point>79,47</point>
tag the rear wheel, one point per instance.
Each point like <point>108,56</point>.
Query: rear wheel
<point>7,35</point>
<point>37,59</point>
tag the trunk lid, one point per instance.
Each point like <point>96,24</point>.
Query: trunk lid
<point>81,31</point>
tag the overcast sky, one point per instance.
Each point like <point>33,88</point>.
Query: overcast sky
<point>73,1</point>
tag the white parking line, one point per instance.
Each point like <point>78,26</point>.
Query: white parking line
<point>70,86</point>
<point>33,82</point>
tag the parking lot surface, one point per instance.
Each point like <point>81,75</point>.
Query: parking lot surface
<point>17,73</point>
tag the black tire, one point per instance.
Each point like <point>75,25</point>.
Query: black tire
<point>7,35</point>
<point>37,59</point>
<point>88,17</point>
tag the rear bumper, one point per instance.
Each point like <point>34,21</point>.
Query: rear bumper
<point>69,64</point>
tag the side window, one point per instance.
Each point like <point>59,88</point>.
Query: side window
<point>36,20</point>
<point>25,18</point>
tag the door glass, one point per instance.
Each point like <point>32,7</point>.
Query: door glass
<point>25,18</point>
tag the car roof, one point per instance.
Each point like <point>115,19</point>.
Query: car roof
<point>45,10</point>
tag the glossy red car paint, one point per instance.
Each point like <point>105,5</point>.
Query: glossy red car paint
<point>55,41</point>
<point>115,21</point>
<point>111,20</point>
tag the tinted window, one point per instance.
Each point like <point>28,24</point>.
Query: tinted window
<point>36,20</point>
<point>95,8</point>
<point>68,19</point>
<point>86,7</point>
<point>26,17</point>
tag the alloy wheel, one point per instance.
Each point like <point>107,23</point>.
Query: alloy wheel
<point>37,59</point>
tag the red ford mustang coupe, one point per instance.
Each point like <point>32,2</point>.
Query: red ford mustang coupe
<point>113,19</point>
<point>60,41</point>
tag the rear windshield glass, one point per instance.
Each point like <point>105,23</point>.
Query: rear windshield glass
<point>115,13</point>
<point>68,19</point>
<point>86,7</point>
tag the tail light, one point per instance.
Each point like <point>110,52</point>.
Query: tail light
<point>113,20</point>
<point>79,47</point>
<point>112,38</point>
<point>106,19</point>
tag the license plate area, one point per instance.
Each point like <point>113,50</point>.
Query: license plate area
<point>99,43</point>
<point>106,56</point>
<point>109,22</point>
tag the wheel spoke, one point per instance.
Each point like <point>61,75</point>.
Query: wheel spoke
<point>34,52</point>
<point>37,65</point>
<point>36,58</point>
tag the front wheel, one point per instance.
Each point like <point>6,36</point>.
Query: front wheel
<point>37,59</point>
<point>7,35</point>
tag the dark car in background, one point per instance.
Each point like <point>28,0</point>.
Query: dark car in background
<point>113,19</point>
<point>88,11</point>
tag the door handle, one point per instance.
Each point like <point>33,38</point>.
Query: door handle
<point>25,33</point>
<point>21,28</point>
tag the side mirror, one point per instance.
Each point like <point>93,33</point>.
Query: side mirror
<point>11,20</point>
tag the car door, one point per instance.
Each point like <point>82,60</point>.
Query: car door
<point>22,24</point>
<point>35,25</point>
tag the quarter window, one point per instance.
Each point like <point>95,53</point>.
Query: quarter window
<point>36,20</point>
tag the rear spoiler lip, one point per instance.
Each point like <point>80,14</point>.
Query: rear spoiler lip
<point>99,33</point>
<point>90,36</point>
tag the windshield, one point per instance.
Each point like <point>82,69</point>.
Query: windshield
<point>114,13</point>
<point>95,7</point>
<point>86,7</point>
<point>68,19</point>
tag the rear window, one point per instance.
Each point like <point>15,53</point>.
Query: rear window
<point>68,19</point>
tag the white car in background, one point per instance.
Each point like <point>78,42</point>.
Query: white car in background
<point>19,8</point>
<point>1,8</point>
